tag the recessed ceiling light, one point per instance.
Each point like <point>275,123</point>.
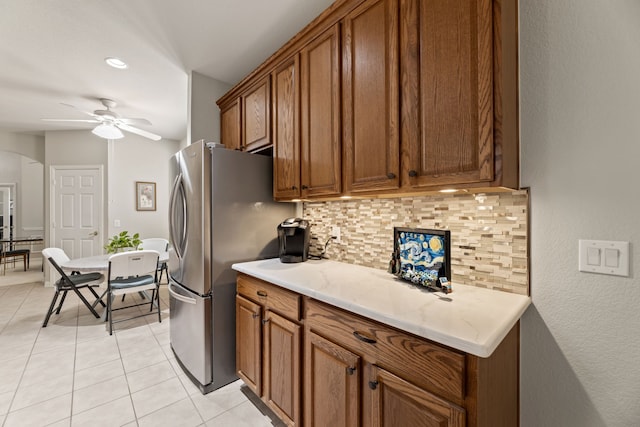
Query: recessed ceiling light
<point>116,63</point>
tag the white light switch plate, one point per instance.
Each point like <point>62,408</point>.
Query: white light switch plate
<point>604,257</point>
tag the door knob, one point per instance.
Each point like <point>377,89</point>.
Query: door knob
<point>95,233</point>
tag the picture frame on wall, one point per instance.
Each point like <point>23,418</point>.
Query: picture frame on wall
<point>145,196</point>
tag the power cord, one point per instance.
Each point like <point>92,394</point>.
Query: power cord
<point>324,249</point>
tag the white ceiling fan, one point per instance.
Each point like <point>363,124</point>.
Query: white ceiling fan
<point>109,122</point>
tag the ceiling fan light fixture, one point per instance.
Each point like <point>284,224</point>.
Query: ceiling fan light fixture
<point>107,131</point>
<point>116,63</point>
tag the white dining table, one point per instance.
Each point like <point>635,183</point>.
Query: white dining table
<point>97,263</point>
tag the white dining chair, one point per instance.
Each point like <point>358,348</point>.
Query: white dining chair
<point>157,244</point>
<point>132,272</point>
<point>72,282</point>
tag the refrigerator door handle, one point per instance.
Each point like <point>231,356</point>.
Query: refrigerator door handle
<point>178,242</point>
<point>180,297</point>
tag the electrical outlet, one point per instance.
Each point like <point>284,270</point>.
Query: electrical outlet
<point>335,232</point>
<point>116,223</point>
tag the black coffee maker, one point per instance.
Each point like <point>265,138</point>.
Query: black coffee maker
<point>293,236</point>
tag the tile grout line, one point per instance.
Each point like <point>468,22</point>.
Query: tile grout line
<point>31,288</point>
<point>178,377</point>
<point>135,415</point>
<point>77,318</point>
<point>75,360</point>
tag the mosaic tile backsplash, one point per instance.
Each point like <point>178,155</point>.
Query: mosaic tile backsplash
<point>489,245</point>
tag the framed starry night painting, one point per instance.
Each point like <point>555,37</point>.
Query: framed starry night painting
<point>421,256</point>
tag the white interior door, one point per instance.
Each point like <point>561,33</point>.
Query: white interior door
<point>5,197</point>
<point>76,210</point>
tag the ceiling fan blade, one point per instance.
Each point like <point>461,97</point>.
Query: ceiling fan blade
<point>76,108</point>
<point>136,121</point>
<point>140,132</point>
<point>72,120</point>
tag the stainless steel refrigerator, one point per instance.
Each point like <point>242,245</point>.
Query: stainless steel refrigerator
<point>221,212</point>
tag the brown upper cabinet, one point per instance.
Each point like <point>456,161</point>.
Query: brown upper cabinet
<point>370,97</point>
<point>320,111</point>
<point>286,129</point>
<point>447,80</point>
<point>387,97</point>
<point>230,130</point>
<point>245,119</point>
<point>256,116</point>
<point>306,125</point>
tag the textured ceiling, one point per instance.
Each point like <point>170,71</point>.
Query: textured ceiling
<point>52,52</point>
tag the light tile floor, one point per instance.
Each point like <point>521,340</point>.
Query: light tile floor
<point>72,373</point>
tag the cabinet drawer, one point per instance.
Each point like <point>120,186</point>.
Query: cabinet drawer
<point>423,363</point>
<point>272,297</point>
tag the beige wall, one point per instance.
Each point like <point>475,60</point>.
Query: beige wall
<point>27,174</point>
<point>580,145</point>
<point>69,148</point>
<point>31,197</point>
<point>138,159</point>
<point>31,146</point>
<point>124,162</point>
<point>204,114</point>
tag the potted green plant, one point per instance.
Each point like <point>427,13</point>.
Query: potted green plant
<point>122,241</point>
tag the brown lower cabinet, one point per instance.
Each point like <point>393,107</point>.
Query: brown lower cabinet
<point>317,365</point>
<point>269,345</point>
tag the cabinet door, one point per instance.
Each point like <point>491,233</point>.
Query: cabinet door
<point>370,97</point>
<point>332,380</point>
<point>447,92</point>
<point>320,115</point>
<point>282,360</point>
<point>256,116</point>
<point>396,402</point>
<point>230,126</point>
<point>286,130</point>
<point>249,343</point>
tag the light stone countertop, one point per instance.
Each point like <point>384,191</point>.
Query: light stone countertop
<point>470,319</point>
